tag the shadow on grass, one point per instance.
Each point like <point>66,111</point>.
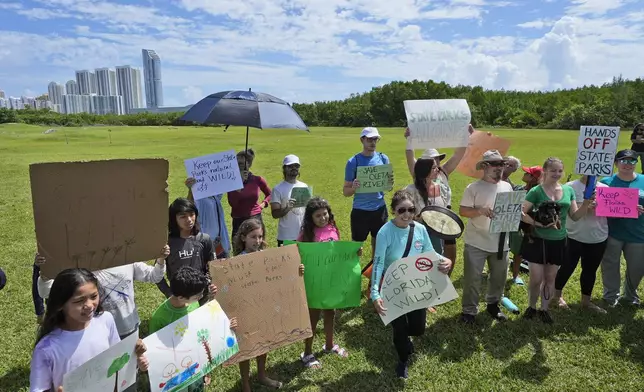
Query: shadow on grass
<point>364,381</point>
<point>15,379</point>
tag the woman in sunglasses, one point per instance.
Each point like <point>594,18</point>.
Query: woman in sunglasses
<point>624,236</point>
<point>393,243</point>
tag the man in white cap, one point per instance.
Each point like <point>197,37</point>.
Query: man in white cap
<point>283,205</point>
<point>369,212</point>
<point>477,205</point>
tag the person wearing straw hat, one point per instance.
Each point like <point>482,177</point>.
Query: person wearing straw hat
<point>477,205</point>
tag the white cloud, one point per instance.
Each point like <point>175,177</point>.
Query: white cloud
<point>537,24</point>
<point>594,7</point>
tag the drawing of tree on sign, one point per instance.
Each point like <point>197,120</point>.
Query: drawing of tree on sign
<point>116,366</point>
<point>129,242</point>
<point>203,336</point>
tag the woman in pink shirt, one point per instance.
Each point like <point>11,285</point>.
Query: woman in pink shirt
<point>244,203</point>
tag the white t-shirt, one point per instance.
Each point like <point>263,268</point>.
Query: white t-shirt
<point>289,225</point>
<point>477,232</point>
<point>61,352</point>
<point>443,200</point>
<point>590,229</point>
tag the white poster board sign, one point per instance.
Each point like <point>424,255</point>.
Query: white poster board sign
<point>437,123</point>
<point>215,174</point>
<point>414,283</point>
<point>596,150</point>
<point>181,353</point>
<point>112,370</point>
<point>507,212</point>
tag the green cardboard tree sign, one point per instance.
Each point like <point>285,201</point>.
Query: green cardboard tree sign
<point>117,365</point>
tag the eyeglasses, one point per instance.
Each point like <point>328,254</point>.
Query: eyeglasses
<point>401,211</point>
<point>496,163</point>
<point>293,166</point>
<point>372,139</point>
<point>627,161</point>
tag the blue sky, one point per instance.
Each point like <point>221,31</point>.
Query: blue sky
<point>308,50</point>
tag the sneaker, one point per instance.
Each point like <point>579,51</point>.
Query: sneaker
<point>468,318</point>
<point>611,303</point>
<point>529,313</point>
<point>544,315</point>
<point>518,281</point>
<point>401,370</point>
<point>495,312</point>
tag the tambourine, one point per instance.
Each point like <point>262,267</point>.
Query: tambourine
<point>442,222</point>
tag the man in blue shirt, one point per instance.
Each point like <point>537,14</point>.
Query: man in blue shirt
<point>369,212</point>
<point>624,235</point>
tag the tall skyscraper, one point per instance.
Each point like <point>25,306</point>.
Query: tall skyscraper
<point>71,87</point>
<point>152,78</point>
<point>55,92</point>
<point>128,81</point>
<point>105,82</point>
<point>2,94</point>
<point>86,82</point>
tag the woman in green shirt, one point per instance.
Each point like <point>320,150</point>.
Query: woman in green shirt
<point>547,248</point>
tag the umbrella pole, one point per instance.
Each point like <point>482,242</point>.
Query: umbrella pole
<point>246,150</point>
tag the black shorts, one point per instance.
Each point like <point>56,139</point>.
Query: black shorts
<point>365,222</point>
<point>539,251</point>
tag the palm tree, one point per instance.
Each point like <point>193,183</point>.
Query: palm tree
<point>116,366</point>
<point>203,336</point>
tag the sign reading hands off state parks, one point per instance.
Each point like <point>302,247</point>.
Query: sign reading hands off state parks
<point>216,174</point>
<point>99,214</point>
<point>596,150</point>
<point>183,352</point>
<point>436,123</point>
<point>375,178</point>
<point>479,143</point>
<point>617,202</point>
<point>333,273</point>
<point>265,291</point>
<point>507,212</point>
<point>112,370</point>
<point>414,283</point>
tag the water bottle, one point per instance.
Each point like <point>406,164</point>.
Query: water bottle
<point>509,305</point>
<point>590,187</point>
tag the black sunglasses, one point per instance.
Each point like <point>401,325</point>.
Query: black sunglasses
<point>496,163</point>
<point>402,210</point>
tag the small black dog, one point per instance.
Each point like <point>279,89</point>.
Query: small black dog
<point>546,213</point>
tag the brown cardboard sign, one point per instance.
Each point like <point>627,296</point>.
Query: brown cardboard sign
<point>99,214</point>
<point>266,293</point>
<point>479,143</point>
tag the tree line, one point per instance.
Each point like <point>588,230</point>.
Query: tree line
<point>618,103</point>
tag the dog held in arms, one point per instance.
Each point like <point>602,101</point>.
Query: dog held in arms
<point>546,213</point>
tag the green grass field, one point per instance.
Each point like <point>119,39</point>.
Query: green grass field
<point>580,351</point>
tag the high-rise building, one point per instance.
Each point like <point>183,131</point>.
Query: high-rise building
<point>73,104</point>
<point>55,92</point>
<point>86,82</point>
<point>71,87</point>
<point>128,81</point>
<point>105,104</point>
<point>152,78</point>
<point>2,94</point>
<point>105,82</point>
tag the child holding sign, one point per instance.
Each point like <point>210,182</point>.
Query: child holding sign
<point>250,238</point>
<point>319,226</point>
<point>75,330</point>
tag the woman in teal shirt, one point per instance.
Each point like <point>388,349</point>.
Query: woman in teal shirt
<point>546,250</point>
<point>390,246</point>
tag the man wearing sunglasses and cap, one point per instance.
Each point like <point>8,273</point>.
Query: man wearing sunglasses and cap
<point>480,245</point>
<point>624,236</point>
<point>369,212</point>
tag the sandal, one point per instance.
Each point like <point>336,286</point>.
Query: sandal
<point>336,350</point>
<point>271,383</point>
<point>310,361</point>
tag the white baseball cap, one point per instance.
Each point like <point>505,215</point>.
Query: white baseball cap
<point>370,132</point>
<point>290,160</point>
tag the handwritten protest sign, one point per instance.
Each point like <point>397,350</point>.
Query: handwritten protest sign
<point>436,123</point>
<point>112,370</point>
<point>414,283</point>
<point>507,212</point>
<point>332,277</point>
<point>617,202</point>
<point>375,178</point>
<point>596,150</point>
<point>479,143</point>
<point>215,174</point>
<point>99,214</point>
<point>302,195</point>
<point>183,352</point>
<point>266,293</point>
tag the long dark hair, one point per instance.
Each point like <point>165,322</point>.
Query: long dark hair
<point>179,206</point>
<point>245,228</point>
<point>65,285</point>
<point>422,169</point>
<point>308,226</point>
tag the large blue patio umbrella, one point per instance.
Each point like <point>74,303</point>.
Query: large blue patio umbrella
<point>245,108</point>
